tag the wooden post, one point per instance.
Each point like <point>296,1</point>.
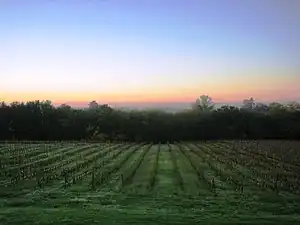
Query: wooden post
<point>93,178</point>
<point>122,179</point>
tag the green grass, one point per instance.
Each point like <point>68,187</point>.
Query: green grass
<point>136,203</point>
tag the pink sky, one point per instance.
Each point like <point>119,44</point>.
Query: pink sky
<point>158,52</point>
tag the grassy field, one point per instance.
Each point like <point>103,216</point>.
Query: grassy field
<point>224,182</point>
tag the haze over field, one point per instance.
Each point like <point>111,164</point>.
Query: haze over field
<point>143,53</point>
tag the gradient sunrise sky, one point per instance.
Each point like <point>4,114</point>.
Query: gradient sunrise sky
<point>149,50</point>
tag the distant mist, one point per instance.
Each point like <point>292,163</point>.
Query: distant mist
<point>165,106</point>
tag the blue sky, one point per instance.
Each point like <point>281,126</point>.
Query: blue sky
<point>158,50</point>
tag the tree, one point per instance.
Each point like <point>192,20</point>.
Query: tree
<point>293,106</point>
<point>39,120</point>
<point>248,104</point>
<point>260,107</point>
<point>65,107</point>
<point>93,105</point>
<point>275,107</point>
<point>204,104</point>
<point>228,108</point>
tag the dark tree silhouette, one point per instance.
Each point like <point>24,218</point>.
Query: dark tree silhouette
<point>40,120</point>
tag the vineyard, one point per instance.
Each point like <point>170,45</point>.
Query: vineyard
<point>217,182</point>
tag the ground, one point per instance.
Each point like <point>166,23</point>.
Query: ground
<point>221,182</point>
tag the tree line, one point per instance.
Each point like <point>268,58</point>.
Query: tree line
<point>40,120</point>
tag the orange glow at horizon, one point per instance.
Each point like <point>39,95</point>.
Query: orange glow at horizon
<point>219,91</point>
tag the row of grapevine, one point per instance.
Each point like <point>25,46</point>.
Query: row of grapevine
<point>175,168</point>
<point>74,164</point>
<point>129,174</point>
<point>28,170</point>
<point>264,174</point>
<point>104,175</point>
<point>94,165</point>
<point>198,170</point>
<point>222,170</point>
<point>154,169</point>
<point>35,154</point>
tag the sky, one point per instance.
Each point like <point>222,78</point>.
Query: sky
<point>149,51</point>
